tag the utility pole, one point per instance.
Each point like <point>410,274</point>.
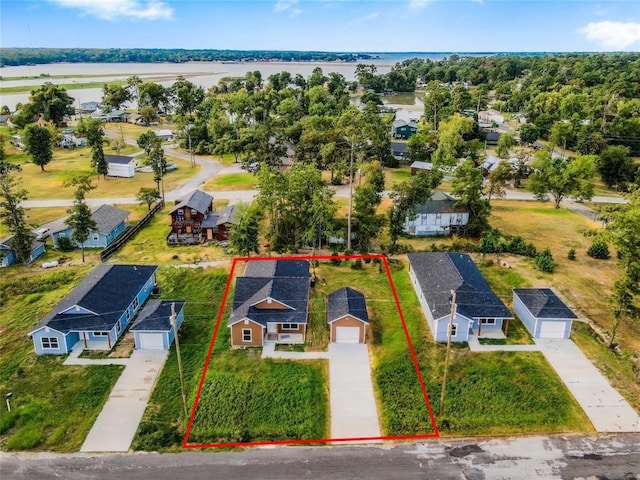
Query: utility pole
<point>350,198</point>
<point>172,319</point>
<point>452,315</point>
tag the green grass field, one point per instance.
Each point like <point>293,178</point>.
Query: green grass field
<point>232,181</point>
<point>53,406</point>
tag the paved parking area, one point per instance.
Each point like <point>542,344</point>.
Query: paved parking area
<point>115,427</point>
<point>354,413</point>
<point>604,406</point>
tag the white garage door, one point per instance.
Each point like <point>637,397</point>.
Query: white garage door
<point>151,341</point>
<point>347,335</point>
<point>552,329</point>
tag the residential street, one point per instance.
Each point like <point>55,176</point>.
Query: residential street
<point>572,457</point>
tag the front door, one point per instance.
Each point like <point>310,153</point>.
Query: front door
<point>272,328</point>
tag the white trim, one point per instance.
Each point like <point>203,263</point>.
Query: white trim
<point>454,329</point>
<point>272,300</point>
<point>289,327</point>
<point>345,316</point>
<point>243,320</point>
<point>487,321</point>
<point>100,333</point>
<point>78,312</point>
<point>250,335</point>
<point>50,347</point>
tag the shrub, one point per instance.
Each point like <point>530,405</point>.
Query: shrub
<point>598,249</point>
<point>572,254</point>
<point>544,261</point>
<point>518,246</point>
<point>490,242</point>
<point>335,260</point>
<point>357,264</point>
<point>65,244</point>
<point>26,438</point>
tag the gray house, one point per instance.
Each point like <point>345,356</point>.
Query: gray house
<point>542,312</point>
<point>153,330</point>
<point>97,312</point>
<point>435,276</point>
<point>110,222</point>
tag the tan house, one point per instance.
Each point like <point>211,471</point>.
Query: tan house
<point>271,303</point>
<point>347,316</point>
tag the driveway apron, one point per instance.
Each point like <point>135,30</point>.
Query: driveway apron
<point>353,407</point>
<point>115,427</point>
<point>604,406</point>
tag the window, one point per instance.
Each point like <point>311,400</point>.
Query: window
<point>127,314</point>
<point>246,334</point>
<point>180,212</point>
<point>96,237</point>
<point>135,303</point>
<point>118,327</point>
<point>487,321</point>
<point>454,329</point>
<point>100,334</point>
<point>194,212</point>
<point>289,326</point>
<point>49,343</point>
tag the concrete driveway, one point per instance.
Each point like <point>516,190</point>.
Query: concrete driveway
<point>115,427</point>
<point>604,406</point>
<point>353,406</point>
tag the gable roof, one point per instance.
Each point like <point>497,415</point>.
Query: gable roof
<point>399,147</point>
<point>285,281</point>
<point>439,202</point>
<point>543,303</point>
<point>440,273</point>
<point>119,159</point>
<point>107,218</point>
<point>7,242</point>
<point>198,200</point>
<point>107,292</point>
<point>227,215</point>
<point>422,165</point>
<point>155,315</point>
<point>346,301</point>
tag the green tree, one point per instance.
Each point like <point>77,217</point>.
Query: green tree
<point>467,187</point>
<point>133,84</point>
<point>93,130</point>
<point>5,110</point>
<point>39,144</point>
<point>243,237</point>
<point>560,178</point>
<point>12,214</point>
<point>497,181</point>
<point>616,167</point>
<point>451,140</point>
<point>505,143</point>
<point>623,231</point>
<point>149,114</point>
<point>544,261</point>
<point>98,160</point>
<point>80,219</point>
<point>50,101</point>
<point>149,140</point>
<point>187,96</point>
<point>148,196</point>
<point>366,199</point>
<point>115,95</point>
<point>529,133</point>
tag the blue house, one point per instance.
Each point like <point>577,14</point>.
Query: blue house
<point>110,223</point>
<point>542,312</point>
<point>97,312</point>
<point>435,276</point>
<point>403,129</point>
<point>152,330</point>
<point>8,254</point>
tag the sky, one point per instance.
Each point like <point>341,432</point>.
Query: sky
<point>325,25</point>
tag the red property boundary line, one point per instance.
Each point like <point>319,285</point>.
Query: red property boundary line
<point>187,445</point>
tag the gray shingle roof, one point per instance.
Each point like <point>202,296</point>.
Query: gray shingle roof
<point>346,301</point>
<point>107,291</point>
<point>422,165</point>
<point>155,315</point>
<point>543,303</point>
<point>439,202</point>
<point>119,159</point>
<point>399,147</point>
<point>108,218</point>
<point>227,215</point>
<point>286,281</point>
<point>197,200</point>
<point>440,273</point>
<point>8,242</point>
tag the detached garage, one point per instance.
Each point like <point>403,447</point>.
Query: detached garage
<point>347,316</point>
<point>542,312</point>
<point>120,166</point>
<point>152,330</point>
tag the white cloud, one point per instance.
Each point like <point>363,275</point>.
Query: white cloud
<point>287,6</point>
<point>371,16</point>
<point>111,9</point>
<point>614,35</point>
<point>418,3</point>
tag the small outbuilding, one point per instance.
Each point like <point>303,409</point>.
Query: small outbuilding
<point>120,166</point>
<point>347,316</point>
<point>152,330</point>
<point>542,312</point>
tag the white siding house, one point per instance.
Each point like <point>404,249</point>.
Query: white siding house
<point>120,166</point>
<point>437,216</point>
<point>542,312</point>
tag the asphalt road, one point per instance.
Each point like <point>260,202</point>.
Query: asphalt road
<point>603,457</point>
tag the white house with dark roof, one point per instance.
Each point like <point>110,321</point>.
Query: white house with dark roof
<point>437,216</point>
<point>347,316</point>
<point>97,312</point>
<point>120,166</point>
<point>435,276</point>
<point>542,312</point>
<point>152,330</point>
<point>111,222</point>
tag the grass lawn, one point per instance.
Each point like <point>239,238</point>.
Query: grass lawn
<point>232,181</point>
<point>244,397</point>
<point>53,406</point>
<point>490,393</point>
<point>396,175</point>
<point>68,163</point>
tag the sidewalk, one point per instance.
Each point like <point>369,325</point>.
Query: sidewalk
<point>77,349</point>
<point>475,346</point>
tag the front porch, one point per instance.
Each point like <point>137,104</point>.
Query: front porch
<point>487,332</point>
<point>286,338</point>
<point>184,238</point>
